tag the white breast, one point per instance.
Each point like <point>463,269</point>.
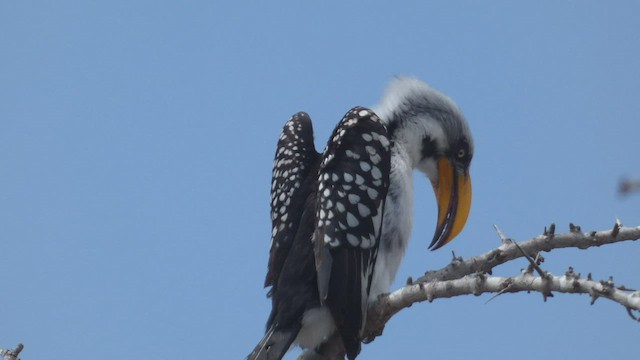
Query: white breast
<point>397,224</point>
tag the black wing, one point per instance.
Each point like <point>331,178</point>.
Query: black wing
<point>295,157</point>
<point>352,186</point>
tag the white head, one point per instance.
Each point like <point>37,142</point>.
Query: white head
<point>435,135</point>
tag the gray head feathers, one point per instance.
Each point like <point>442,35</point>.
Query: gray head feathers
<point>413,110</point>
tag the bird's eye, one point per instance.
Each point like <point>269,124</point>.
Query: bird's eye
<point>461,153</point>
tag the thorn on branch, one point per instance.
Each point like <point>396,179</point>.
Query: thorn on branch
<point>624,288</point>
<point>551,232</point>
<point>594,295</point>
<point>506,285</point>
<point>607,286</point>
<point>574,228</point>
<point>455,260</point>
<point>570,274</point>
<point>503,239</point>
<point>616,229</point>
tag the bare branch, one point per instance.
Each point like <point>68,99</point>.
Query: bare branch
<point>508,250</point>
<point>465,277</point>
<point>11,354</point>
<point>390,304</point>
<point>533,263</point>
<point>503,239</point>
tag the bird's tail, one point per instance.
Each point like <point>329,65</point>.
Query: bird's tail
<point>274,344</point>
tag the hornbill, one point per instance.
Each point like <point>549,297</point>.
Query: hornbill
<point>342,219</point>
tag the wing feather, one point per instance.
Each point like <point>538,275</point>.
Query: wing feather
<point>294,159</point>
<point>353,180</point>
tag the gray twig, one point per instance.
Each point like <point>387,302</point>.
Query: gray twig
<point>11,354</point>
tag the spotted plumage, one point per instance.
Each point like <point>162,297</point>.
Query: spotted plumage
<point>352,185</point>
<point>326,213</point>
<point>293,161</point>
<point>341,220</point>
<point>353,201</point>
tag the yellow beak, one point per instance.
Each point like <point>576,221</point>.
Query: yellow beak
<point>453,194</point>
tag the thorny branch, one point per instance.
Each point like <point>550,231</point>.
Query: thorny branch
<point>11,354</point>
<point>546,242</point>
<point>473,275</point>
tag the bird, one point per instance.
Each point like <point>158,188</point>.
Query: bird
<point>342,219</point>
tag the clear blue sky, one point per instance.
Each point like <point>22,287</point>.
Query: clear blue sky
<point>137,138</point>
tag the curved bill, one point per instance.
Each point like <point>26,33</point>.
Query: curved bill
<point>453,193</point>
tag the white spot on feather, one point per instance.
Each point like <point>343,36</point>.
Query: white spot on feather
<point>327,239</point>
<point>375,172</point>
<point>363,210</point>
<point>352,239</point>
<point>351,220</point>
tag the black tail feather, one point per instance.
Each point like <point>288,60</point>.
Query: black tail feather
<point>273,345</point>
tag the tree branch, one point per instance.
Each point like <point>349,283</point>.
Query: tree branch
<point>477,284</point>
<point>546,242</point>
<point>11,354</point>
<point>466,277</point>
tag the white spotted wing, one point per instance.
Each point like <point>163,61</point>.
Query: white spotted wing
<point>353,180</point>
<point>294,159</point>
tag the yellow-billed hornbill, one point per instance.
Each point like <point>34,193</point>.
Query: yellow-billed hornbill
<point>342,219</point>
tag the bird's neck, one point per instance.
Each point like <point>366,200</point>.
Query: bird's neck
<point>397,223</point>
<point>399,203</point>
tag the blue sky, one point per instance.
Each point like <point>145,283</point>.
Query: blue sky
<point>137,138</point>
